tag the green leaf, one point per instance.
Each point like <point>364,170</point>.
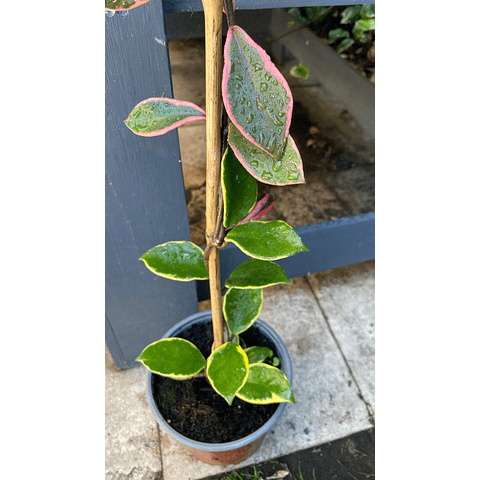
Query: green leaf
<point>258,354</point>
<point>241,308</point>
<point>257,97</point>
<point>365,24</point>
<point>368,11</point>
<point>300,71</point>
<point>286,171</point>
<point>266,240</point>
<point>337,33</point>
<point>350,14</point>
<point>344,44</point>
<point>256,274</point>
<point>239,189</point>
<point>181,261</point>
<point>174,358</point>
<point>266,384</point>
<point>156,116</point>
<point>227,370</point>
<point>121,5</point>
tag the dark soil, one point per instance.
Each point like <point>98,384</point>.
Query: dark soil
<point>195,410</point>
<point>348,458</point>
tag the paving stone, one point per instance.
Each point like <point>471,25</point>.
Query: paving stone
<point>132,447</point>
<point>347,296</point>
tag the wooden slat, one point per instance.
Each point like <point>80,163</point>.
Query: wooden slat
<point>144,197</point>
<point>170,6</point>
<point>332,244</point>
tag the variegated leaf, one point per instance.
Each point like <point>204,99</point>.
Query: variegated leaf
<point>257,97</point>
<point>288,170</point>
<point>122,5</point>
<point>156,116</point>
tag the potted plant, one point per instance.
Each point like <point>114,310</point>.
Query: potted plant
<point>244,364</point>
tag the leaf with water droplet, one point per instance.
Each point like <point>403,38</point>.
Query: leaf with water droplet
<point>261,165</point>
<point>266,240</point>
<point>263,85</point>
<point>239,189</point>
<point>156,116</point>
<point>122,5</point>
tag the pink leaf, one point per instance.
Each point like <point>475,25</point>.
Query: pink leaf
<point>288,170</point>
<point>156,116</point>
<point>257,97</point>
<point>122,5</point>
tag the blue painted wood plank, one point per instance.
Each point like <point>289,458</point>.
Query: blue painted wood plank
<point>144,192</point>
<point>171,6</point>
<point>332,244</point>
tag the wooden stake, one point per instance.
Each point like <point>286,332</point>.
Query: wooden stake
<point>213,78</point>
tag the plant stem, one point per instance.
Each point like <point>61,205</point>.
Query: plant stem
<point>213,77</point>
<point>230,12</point>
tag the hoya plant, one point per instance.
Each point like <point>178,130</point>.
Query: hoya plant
<point>257,147</point>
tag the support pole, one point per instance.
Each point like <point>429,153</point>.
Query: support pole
<point>213,78</point>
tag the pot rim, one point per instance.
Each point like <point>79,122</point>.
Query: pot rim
<point>241,442</point>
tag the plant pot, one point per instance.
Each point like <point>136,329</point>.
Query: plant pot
<point>230,452</point>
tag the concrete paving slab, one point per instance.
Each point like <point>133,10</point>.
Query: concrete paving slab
<point>132,447</point>
<point>327,403</point>
<point>347,298</point>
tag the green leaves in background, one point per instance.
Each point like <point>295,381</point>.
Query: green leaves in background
<point>227,370</point>
<point>266,240</point>
<point>258,354</point>
<point>156,116</point>
<point>256,274</point>
<point>257,97</point>
<point>337,33</point>
<point>266,384</point>
<point>174,358</point>
<point>288,170</point>
<point>239,189</point>
<point>181,261</point>
<point>241,308</point>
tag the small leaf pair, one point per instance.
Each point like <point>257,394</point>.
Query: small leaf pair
<point>231,374</point>
<point>244,299</point>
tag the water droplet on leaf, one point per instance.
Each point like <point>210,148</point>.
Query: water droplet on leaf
<point>249,118</point>
<point>260,105</point>
<point>277,166</point>
<point>242,100</point>
<point>263,87</point>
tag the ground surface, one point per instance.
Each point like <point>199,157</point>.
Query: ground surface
<point>352,457</point>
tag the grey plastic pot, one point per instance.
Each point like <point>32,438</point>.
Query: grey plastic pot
<point>238,450</point>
